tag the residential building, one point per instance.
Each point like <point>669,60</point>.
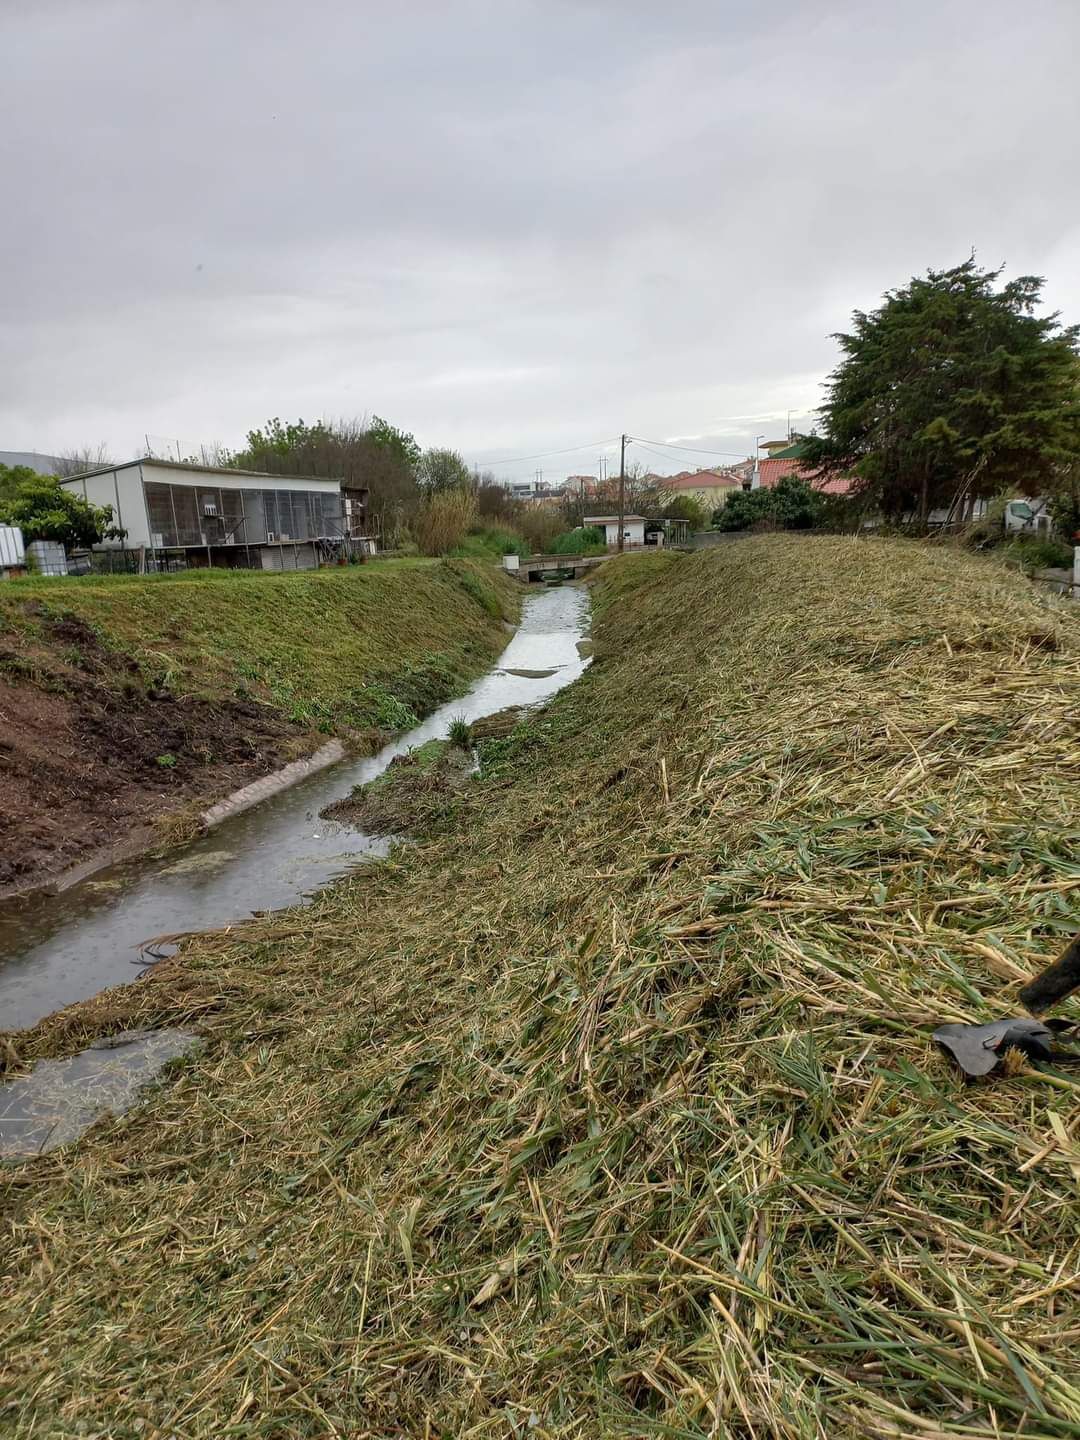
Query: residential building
<point>764,474</point>
<point>220,516</point>
<point>534,489</point>
<point>633,529</point>
<point>711,487</point>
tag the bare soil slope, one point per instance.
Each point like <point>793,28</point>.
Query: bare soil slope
<point>127,706</point>
<point>91,757</point>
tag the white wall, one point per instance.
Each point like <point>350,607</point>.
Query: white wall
<point>634,531</point>
<point>122,489</point>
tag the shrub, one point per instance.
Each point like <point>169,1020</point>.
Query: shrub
<point>743,509</point>
<point>796,505</point>
<point>1035,552</point>
<point>586,541</point>
<point>483,542</point>
<point>539,524</point>
<point>443,520</point>
<point>690,508</point>
<point>792,504</point>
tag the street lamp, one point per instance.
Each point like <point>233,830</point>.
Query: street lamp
<point>755,478</point>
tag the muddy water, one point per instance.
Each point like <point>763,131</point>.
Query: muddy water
<point>61,948</point>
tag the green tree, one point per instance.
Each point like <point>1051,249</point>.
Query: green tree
<point>376,457</point>
<point>952,388</point>
<point>279,439</point>
<point>11,477</point>
<point>687,507</point>
<point>398,442</point>
<point>442,470</point>
<point>44,510</point>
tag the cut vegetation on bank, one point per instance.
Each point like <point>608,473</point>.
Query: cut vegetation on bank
<point>611,1108</point>
<point>126,703</point>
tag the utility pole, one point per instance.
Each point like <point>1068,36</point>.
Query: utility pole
<point>622,492</point>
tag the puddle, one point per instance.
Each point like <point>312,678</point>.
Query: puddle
<point>60,1099</point>
<point>55,949</point>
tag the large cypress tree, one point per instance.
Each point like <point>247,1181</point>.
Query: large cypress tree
<point>952,389</point>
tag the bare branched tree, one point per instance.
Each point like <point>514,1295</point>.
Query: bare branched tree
<point>81,459</point>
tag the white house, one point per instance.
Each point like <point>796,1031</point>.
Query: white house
<point>633,529</point>
<point>220,516</point>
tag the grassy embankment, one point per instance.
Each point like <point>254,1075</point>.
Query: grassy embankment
<point>624,1119</point>
<point>133,700</point>
<point>358,647</point>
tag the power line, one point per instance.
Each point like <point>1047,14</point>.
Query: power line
<point>691,449</point>
<point>659,454</point>
<point>543,454</point>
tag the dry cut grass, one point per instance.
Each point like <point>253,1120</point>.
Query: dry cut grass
<point>613,1110</point>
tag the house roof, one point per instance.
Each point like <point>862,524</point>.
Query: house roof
<point>773,470</point>
<point>610,519</point>
<point>32,459</point>
<point>202,470</point>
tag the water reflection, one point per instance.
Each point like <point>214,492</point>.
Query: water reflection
<point>60,1099</point>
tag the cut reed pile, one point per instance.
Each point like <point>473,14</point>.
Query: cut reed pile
<point>615,1112</point>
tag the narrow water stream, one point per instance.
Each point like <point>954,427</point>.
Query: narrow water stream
<point>61,948</point>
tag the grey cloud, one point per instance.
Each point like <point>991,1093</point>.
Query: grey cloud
<point>509,226</point>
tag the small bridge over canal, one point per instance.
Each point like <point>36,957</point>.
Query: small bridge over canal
<point>555,567</point>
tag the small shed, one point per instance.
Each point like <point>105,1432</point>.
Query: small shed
<point>12,551</point>
<point>633,529</point>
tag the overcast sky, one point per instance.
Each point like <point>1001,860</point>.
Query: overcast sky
<point>509,227</point>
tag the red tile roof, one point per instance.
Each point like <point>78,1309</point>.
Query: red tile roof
<point>774,470</point>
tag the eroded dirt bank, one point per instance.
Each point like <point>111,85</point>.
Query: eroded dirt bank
<point>88,764</point>
<point>129,706</point>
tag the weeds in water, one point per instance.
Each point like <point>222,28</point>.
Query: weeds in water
<point>460,733</point>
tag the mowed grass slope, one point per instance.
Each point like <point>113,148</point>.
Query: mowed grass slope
<point>354,646</point>
<point>612,1110</point>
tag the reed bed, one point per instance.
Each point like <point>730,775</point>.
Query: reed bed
<point>612,1109</point>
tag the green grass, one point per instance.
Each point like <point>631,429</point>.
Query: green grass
<point>359,646</point>
<point>491,543</point>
